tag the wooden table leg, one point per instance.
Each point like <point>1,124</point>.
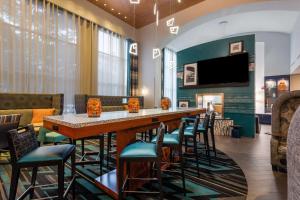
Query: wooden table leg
<point>109,182</point>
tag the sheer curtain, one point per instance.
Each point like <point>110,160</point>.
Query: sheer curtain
<point>112,64</point>
<point>170,79</point>
<point>38,48</point>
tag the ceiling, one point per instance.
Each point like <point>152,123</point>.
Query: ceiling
<point>139,15</point>
<point>255,21</point>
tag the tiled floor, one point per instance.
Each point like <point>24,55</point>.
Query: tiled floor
<point>253,156</point>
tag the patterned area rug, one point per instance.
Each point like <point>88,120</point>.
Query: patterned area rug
<point>223,180</point>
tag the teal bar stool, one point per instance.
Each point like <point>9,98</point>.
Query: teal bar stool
<point>47,136</point>
<point>203,129</point>
<point>26,153</point>
<point>174,142</point>
<point>141,152</point>
<point>191,134</point>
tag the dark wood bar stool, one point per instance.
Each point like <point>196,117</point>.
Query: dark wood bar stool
<point>191,134</point>
<point>7,123</point>
<point>25,153</point>
<point>174,142</point>
<point>141,152</point>
<point>211,127</point>
<point>203,129</point>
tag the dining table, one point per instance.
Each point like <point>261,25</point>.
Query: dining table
<point>125,125</point>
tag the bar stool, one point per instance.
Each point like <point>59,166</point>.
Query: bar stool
<point>191,133</point>
<point>174,142</point>
<point>141,152</point>
<point>25,153</point>
<point>211,127</point>
<point>203,129</point>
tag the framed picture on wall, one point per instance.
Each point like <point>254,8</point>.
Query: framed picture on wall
<point>236,47</point>
<point>183,104</point>
<point>190,75</point>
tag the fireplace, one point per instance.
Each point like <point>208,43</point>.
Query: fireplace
<point>212,102</point>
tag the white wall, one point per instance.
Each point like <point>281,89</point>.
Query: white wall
<point>259,77</point>
<point>95,14</point>
<point>277,52</point>
<point>187,20</point>
<point>295,48</point>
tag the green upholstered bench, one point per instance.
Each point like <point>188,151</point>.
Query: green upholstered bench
<point>16,103</point>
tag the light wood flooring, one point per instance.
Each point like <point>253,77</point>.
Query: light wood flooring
<point>253,156</point>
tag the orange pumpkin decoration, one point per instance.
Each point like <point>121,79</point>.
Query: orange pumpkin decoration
<point>94,107</point>
<point>133,105</point>
<point>165,103</point>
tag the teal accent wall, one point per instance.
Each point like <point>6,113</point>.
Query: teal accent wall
<point>239,102</point>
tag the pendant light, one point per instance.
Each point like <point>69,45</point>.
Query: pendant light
<point>156,52</point>
<point>133,48</point>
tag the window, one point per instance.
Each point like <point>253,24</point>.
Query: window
<point>38,48</point>
<point>112,64</point>
<point>170,63</point>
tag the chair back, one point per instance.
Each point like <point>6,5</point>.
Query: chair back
<point>195,125</point>
<point>212,119</point>
<point>7,123</point>
<point>21,142</point>
<point>160,139</point>
<point>206,122</point>
<point>181,132</point>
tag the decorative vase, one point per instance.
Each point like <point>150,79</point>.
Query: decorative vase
<point>165,103</point>
<point>133,105</point>
<point>94,107</point>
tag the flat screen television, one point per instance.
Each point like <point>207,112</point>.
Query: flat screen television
<point>224,71</point>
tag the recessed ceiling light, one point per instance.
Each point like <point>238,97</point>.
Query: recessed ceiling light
<point>105,4</point>
<point>125,17</point>
<point>112,9</point>
<point>119,13</point>
<point>179,1</point>
<point>134,1</point>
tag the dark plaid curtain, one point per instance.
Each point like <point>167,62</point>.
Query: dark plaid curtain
<point>133,70</point>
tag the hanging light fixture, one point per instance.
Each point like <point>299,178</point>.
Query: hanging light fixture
<point>170,22</point>
<point>133,47</point>
<point>156,53</point>
<point>174,30</point>
<point>157,18</point>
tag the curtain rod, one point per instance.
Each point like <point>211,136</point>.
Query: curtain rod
<point>81,17</point>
